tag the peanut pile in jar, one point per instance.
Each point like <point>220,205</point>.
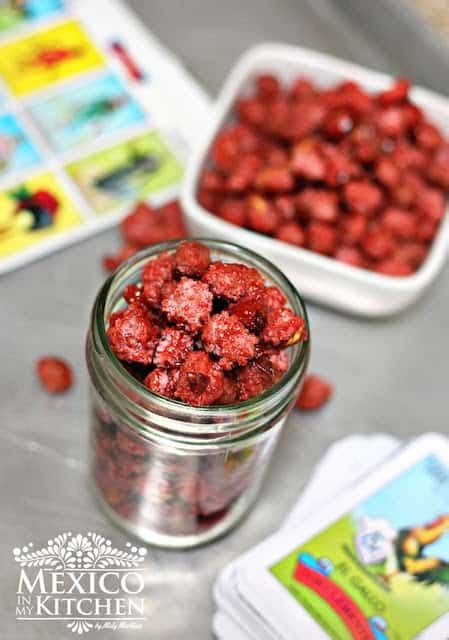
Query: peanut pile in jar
<point>358,177</point>
<point>203,332</point>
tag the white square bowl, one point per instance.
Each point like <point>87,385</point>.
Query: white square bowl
<point>318,278</point>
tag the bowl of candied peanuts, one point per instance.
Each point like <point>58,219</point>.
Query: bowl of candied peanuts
<point>336,173</point>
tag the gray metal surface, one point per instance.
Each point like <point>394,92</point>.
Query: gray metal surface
<point>390,376</point>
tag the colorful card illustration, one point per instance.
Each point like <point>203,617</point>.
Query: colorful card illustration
<point>127,171</point>
<point>14,13</point>
<point>380,572</point>
<point>34,211</point>
<point>84,113</point>
<point>48,56</point>
<point>16,150</point>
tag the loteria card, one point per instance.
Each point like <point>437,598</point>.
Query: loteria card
<point>48,56</point>
<point>33,211</point>
<point>16,149</point>
<point>87,112</point>
<point>374,565</point>
<point>125,172</point>
<point>15,13</point>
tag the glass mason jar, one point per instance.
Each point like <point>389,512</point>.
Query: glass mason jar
<point>171,474</point>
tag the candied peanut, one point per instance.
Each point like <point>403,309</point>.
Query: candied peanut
<point>283,327</point>
<point>268,86</point>
<point>314,393</point>
<point>318,204</point>
<point>226,336</point>
<point>163,381</point>
<point>292,233</point>
<point>55,374</point>
<point>132,334</point>
<point>191,259</point>
<point>156,273</point>
<point>321,238</point>
<point>261,214</point>
<point>352,228</point>
<point>201,380</point>
<point>172,348</point>
<point>378,244</point>
<point>232,281</point>
<point>362,196</point>
<point>350,255</point>
<point>273,298</point>
<point>401,223</point>
<point>306,162</point>
<point>233,211</point>
<point>275,179</point>
<point>393,267</point>
<point>189,305</point>
<point>251,312</point>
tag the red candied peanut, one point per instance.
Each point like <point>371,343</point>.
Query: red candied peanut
<point>55,375</point>
<point>407,156</point>
<point>428,136</point>
<point>211,180</point>
<point>387,172</point>
<point>286,207</point>
<point>348,95</point>
<point>305,118</point>
<point>403,195</point>
<point>338,124</point>
<point>268,86</point>
<point>362,196</point>
<point>189,305</point>
<point>162,381</point>
<point>244,172</point>
<point>350,255</point>
<point>132,334</point>
<point>302,88</point>
<point>255,378</point>
<point>226,337</point>
<point>306,162</point>
<point>351,228</point>
<point>191,259</point>
<point>251,111</point>
<point>401,223</point>
<point>321,238</point>
<point>283,327</point>
<point>378,244</point>
<point>339,167</point>
<point>173,347</point>
<point>273,298</point>
<point>275,156</point>
<point>251,312</point>
<point>230,393</point>
<point>391,121</point>
<point>275,179</point>
<point>438,169</point>
<point>261,214</point>
<point>413,253</point>
<point>395,94</point>
<point>112,262</point>
<point>156,273</point>
<point>207,199</point>
<point>318,204</point>
<point>431,203</point>
<point>225,150</point>
<point>232,281</point>
<point>279,360</point>
<point>314,393</point>
<point>233,211</point>
<point>393,267</point>
<point>426,229</point>
<point>145,226</point>
<point>292,233</point>
<point>200,380</point>
<point>277,115</point>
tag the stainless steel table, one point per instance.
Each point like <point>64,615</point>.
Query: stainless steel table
<point>390,376</point>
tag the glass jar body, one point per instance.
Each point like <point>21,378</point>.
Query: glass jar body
<point>171,474</point>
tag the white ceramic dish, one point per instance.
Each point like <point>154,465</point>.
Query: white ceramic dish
<point>317,277</point>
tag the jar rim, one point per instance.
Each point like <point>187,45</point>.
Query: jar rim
<point>230,249</point>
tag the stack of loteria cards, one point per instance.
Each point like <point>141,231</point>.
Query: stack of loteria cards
<point>363,556</point>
